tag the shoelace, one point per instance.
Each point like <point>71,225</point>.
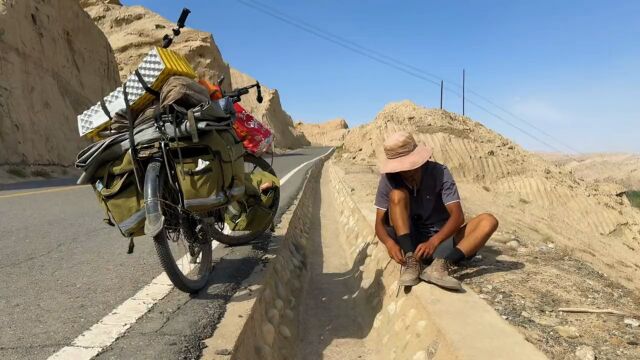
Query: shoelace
<point>412,263</point>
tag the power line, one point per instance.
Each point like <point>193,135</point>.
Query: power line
<point>400,66</point>
<point>409,66</point>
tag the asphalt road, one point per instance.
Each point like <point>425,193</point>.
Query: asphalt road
<point>62,270</point>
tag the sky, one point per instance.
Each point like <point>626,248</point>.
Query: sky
<point>566,72</point>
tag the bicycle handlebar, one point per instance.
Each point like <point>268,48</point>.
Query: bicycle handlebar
<point>167,39</point>
<point>237,94</point>
<point>183,17</point>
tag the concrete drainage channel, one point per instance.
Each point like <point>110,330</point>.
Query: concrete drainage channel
<point>328,291</point>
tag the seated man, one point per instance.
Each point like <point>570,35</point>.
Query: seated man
<point>419,209</point>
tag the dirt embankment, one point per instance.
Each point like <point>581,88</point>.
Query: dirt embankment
<point>329,133</point>
<point>622,169</point>
<point>54,63</point>
<point>134,30</point>
<point>562,242</point>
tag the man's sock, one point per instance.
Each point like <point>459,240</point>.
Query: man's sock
<point>405,243</point>
<point>455,256</point>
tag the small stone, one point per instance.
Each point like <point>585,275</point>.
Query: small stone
<point>268,333</point>
<point>503,257</point>
<point>514,244</point>
<point>223,352</point>
<point>525,314</point>
<point>274,316</point>
<point>263,351</point>
<point>288,314</point>
<point>285,331</point>
<point>484,296</point>
<point>279,304</point>
<point>568,332</point>
<point>585,353</point>
<point>632,322</point>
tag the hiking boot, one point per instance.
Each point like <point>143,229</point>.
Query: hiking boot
<point>438,273</point>
<point>410,272</point>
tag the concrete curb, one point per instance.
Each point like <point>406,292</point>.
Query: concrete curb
<point>261,321</point>
<point>428,322</point>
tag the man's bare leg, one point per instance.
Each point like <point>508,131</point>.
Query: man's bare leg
<point>399,214</point>
<point>472,237</point>
<point>399,211</point>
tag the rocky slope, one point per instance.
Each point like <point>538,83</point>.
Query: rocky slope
<point>622,169</point>
<point>54,63</point>
<point>329,133</point>
<point>133,30</point>
<point>270,112</point>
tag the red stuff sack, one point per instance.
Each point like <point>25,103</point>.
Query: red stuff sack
<point>255,137</point>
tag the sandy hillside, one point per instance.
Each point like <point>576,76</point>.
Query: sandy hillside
<point>562,242</point>
<point>54,63</point>
<point>623,169</point>
<point>133,30</point>
<point>529,193</point>
<point>270,112</point>
<point>329,133</point>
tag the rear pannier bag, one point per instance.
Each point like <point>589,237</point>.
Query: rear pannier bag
<point>212,171</point>
<point>201,177</point>
<point>255,213</point>
<point>118,195</point>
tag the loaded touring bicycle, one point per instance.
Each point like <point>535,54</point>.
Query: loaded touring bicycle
<point>166,162</point>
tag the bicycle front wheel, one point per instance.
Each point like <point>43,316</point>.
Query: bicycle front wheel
<point>183,245</point>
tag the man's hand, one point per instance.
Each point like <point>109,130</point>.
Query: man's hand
<point>426,249</point>
<point>395,252</point>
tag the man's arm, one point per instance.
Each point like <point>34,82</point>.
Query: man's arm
<point>392,247</point>
<point>450,228</point>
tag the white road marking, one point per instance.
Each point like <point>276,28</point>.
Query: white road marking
<point>286,177</point>
<point>91,342</point>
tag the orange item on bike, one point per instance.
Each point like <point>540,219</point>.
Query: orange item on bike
<point>215,93</point>
<point>255,137</point>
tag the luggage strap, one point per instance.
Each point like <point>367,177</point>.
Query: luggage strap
<point>146,86</point>
<point>105,110</point>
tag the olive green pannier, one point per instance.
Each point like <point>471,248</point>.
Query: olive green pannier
<point>211,171</point>
<point>255,213</point>
<point>210,174</point>
<point>118,195</point>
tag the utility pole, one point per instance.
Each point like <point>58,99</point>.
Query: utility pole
<point>463,78</point>
<point>441,92</point>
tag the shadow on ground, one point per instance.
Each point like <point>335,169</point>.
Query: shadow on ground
<point>337,311</point>
<point>488,264</point>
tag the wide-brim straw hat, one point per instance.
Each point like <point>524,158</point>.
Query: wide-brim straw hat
<point>403,153</point>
